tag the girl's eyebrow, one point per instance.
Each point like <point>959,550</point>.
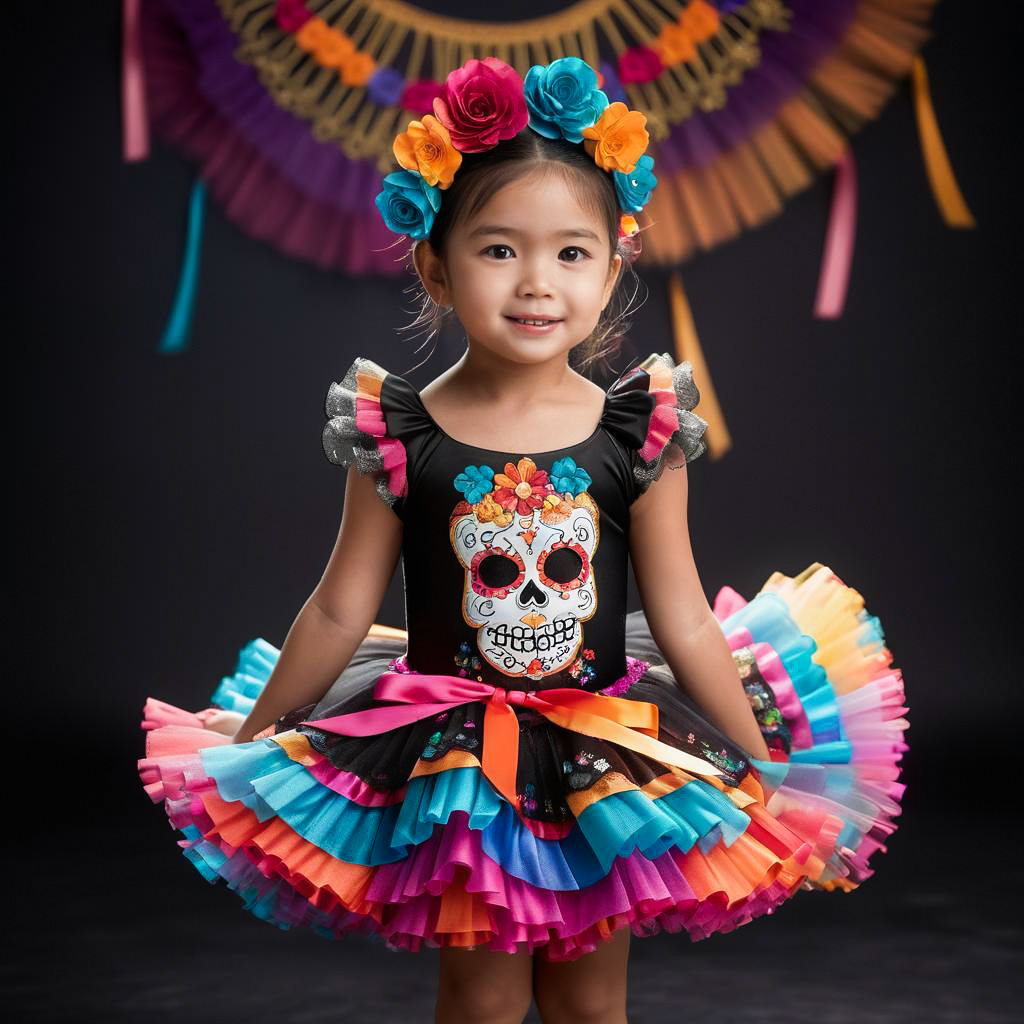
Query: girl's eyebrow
<point>498,229</point>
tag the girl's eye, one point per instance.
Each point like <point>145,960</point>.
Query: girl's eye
<point>582,254</point>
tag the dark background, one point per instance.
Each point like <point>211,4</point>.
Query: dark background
<point>172,507</point>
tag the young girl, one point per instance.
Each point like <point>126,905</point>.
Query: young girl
<point>528,776</point>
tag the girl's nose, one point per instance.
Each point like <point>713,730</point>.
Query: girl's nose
<point>535,281</point>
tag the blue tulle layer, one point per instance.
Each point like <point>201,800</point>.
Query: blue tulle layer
<point>767,620</point>
<point>262,777</point>
<point>238,692</point>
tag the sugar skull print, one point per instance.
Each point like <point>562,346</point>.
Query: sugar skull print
<point>526,540</point>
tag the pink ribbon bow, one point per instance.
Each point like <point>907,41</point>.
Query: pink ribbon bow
<point>629,723</point>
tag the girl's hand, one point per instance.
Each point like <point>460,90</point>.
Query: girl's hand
<point>262,734</point>
<point>225,722</point>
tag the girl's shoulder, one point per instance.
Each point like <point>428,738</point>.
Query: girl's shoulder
<point>649,408</point>
<point>372,416</point>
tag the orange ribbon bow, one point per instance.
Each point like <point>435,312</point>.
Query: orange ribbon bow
<point>629,723</point>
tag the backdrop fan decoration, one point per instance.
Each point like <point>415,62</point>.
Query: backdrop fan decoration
<point>289,109</point>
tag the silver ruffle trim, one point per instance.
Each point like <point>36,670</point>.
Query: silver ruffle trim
<point>344,443</point>
<point>687,443</point>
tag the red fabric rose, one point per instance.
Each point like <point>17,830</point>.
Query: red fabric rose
<point>638,65</point>
<point>482,103</point>
<point>419,96</point>
<point>291,14</point>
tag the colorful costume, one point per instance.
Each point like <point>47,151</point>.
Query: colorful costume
<point>521,770</point>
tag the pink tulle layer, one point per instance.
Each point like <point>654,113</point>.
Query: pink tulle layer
<point>646,895</point>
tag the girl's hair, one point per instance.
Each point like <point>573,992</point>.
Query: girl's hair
<point>481,175</point>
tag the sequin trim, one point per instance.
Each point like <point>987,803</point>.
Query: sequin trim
<point>676,393</point>
<point>356,433</point>
<point>635,668</point>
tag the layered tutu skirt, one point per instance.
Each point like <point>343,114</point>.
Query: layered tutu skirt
<point>401,837</point>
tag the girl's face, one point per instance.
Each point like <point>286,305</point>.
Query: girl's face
<point>531,251</point>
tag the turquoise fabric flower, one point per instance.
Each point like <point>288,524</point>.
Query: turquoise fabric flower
<point>563,98</point>
<point>567,476</point>
<point>634,189</point>
<point>408,204</point>
<point>475,482</point>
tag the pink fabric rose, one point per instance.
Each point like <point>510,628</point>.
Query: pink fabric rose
<point>419,96</point>
<point>638,65</point>
<point>482,103</point>
<point>291,14</point>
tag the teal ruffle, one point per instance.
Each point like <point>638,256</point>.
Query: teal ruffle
<point>238,692</point>
<point>767,620</point>
<point>262,776</point>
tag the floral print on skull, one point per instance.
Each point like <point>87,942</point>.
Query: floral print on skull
<point>526,539</point>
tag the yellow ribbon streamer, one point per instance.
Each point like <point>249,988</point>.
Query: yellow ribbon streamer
<point>936,162</point>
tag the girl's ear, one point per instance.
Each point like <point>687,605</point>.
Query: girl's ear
<point>613,276</point>
<point>431,273</point>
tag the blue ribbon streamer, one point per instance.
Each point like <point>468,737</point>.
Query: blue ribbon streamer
<point>175,336</point>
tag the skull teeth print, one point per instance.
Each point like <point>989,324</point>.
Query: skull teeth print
<point>523,640</point>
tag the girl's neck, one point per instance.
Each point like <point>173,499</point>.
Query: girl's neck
<point>501,381</point>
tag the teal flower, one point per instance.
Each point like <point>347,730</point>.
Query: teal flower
<point>567,476</point>
<point>634,189</point>
<point>408,204</point>
<point>475,482</point>
<point>563,98</point>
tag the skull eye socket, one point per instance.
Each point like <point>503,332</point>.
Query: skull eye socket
<point>495,572</point>
<point>563,567</point>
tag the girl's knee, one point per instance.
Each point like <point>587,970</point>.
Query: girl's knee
<point>483,1000</point>
<point>599,1000</point>
<point>589,989</point>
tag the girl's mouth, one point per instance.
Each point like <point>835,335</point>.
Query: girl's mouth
<point>534,326</point>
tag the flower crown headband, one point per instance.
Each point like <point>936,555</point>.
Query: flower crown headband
<point>485,101</point>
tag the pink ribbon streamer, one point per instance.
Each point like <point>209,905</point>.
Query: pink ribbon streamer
<point>842,230</point>
<point>135,122</point>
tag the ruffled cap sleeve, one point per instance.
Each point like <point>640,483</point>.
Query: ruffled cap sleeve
<point>650,409</point>
<point>369,413</point>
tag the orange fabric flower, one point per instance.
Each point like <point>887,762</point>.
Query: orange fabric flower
<point>675,44</point>
<point>557,508</point>
<point>522,487</point>
<point>618,139</point>
<point>700,19</point>
<point>358,68</point>
<point>628,224</point>
<point>312,34</point>
<point>426,146</point>
<point>489,511</point>
<point>333,49</point>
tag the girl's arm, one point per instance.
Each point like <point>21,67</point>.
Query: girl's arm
<point>681,621</point>
<point>338,614</point>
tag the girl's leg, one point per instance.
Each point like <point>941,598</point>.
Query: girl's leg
<point>588,990</point>
<point>477,986</point>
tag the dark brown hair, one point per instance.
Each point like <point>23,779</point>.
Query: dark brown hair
<point>482,175</point>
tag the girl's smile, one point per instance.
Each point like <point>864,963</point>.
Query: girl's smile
<point>532,325</point>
